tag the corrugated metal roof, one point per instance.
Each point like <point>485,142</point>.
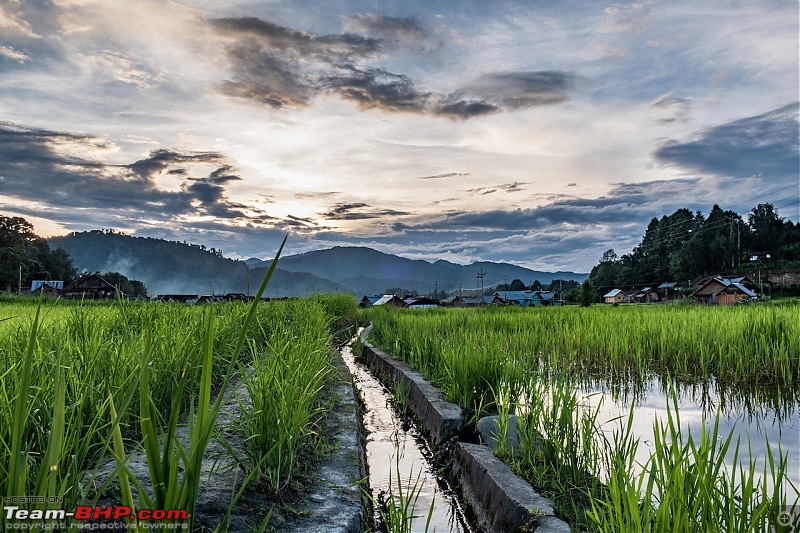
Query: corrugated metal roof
<point>515,295</point>
<point>38,284</point>
<point>386,298</point>
<point>612,293</point>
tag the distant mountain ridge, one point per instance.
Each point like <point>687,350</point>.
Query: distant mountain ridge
<point>372,271</point>
<point>169,267</point>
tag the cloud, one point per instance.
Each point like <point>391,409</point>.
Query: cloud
<point>14,55</point>
<point>126,69</point>
<point>65,169</point>
<point>396,31</point>
<point>626,203</point>
<point>673,109</point>
<point>379,88</point>
<point>358,211</point>
<point>765,144</point>
<point>289,41</point>
<point>517,90</point>
<point>279,67</point>
<point>506,187</point>
<point>447,175</point>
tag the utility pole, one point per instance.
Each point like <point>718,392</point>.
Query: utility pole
<point>435,290</point>
<point>480,275</point>
<point>19,291</point>
<point>739,242</point>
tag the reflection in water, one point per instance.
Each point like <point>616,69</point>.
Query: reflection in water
<point>756,420</point>
<point>391,443</point>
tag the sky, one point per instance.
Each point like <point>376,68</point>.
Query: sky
<point>532,132</point>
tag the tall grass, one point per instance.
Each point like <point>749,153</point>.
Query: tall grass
<point>738,347</point>
<point>290,372</point>
<point>83,380</point>
<point>685,485</point>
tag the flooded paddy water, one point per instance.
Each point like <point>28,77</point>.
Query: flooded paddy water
<point>759,420</point>
<point>398,453</point>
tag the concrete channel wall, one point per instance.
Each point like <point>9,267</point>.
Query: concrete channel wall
<point>501,501</point>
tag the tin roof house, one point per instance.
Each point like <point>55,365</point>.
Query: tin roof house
<point>723,291</point>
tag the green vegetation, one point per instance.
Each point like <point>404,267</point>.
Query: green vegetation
<point>532,362</point>
<point>83,382</point>
<point>25,257</point>
<point>685,245</point>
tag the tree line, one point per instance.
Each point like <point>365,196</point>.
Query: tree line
<point>25,257</point>
<point>684,246</point>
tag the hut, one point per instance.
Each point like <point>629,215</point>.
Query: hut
<point>90,287</point>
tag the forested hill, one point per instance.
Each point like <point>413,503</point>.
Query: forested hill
<point>371,272</point>
<point>169,267</point>
<point>165,267</point>
<point>686,245</point>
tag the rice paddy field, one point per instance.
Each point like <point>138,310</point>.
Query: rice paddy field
<point>631,418</point>
<point>82,383</point>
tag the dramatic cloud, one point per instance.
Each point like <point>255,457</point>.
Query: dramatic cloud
<point>279,66</point>
<point>765,144</point>
<point>625,203</point>
<point>232,123</point>
<point>65,169</point>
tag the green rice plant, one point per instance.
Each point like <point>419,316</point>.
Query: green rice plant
<point>287,379</point>
<point>174,470</point>
<point>686,484</point>
<point>397,506</point>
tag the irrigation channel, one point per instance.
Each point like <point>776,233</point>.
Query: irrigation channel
<point>397,452</point>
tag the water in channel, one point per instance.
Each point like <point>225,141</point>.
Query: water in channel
<point>397,451</point>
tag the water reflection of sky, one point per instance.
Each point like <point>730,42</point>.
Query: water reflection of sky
<point>759,421</point>
<point>394,449</point>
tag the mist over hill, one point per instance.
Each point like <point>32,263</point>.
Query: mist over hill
<point>169,267</point>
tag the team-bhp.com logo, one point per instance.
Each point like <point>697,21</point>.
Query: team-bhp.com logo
<point>94,517</point>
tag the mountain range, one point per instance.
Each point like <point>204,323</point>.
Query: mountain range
<point>169,267</point>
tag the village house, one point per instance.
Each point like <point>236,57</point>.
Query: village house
<point>474,301</point>
<point>669,291</point>
<point>390,299</point>
<point>368,301</point>
<point>546,298</point>
<point>723,291</point>
<point>615,296</point>
<point>420,302</point>
<point>523,298</point>
<point>90,287</point>
<point>47,287</point>
<point>646,295</point>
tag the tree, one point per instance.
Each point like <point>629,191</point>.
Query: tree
<point>586,294</point>
<point>768,228</point>
<point>536,285</point>
<point>517,285</point>
<point>25,257</point>
<point>606,275</point>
